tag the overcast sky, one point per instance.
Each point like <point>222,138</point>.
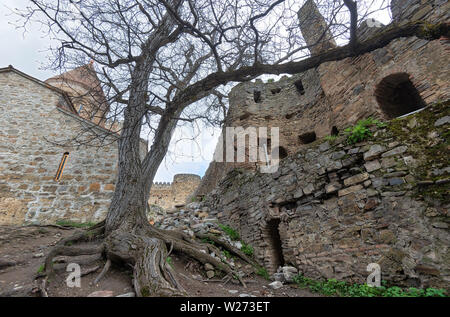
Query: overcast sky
<point>27,51</point>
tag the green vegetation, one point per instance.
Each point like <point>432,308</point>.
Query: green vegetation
<point>230,232</point>
<point>361,131</point>
<point>271,80</point>
<point>333,287</point>
<point>261,271</point>
<point>208,240</point>
<point>73,224</point>
<point>169,261</point>
<point>247,249</point>
<point>331,138</point>
<point>226,254</point>
<point>41,269</point>
<point>430,145</point>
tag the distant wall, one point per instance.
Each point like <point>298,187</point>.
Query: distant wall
<point>170,195</point>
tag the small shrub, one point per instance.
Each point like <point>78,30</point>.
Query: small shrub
<point>247,249</point>
<point>361,131</point>
<point>230,232</point>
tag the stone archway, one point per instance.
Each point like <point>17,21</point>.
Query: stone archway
<point>397,95</point>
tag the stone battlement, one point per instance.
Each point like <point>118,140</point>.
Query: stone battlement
<point>171,194</point>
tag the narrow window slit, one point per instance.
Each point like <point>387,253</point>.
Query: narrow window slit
<point>62,164</point>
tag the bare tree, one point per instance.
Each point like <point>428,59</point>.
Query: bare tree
<point>163,62</point>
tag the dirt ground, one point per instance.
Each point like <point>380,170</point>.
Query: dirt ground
<point>22,252</point>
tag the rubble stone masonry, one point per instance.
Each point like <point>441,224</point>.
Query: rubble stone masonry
<point>332,208</point>
<point>31,121</point>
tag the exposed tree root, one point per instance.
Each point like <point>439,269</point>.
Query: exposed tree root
<point>103,272</point>
<point>228,247</point>
<point>144,247</point>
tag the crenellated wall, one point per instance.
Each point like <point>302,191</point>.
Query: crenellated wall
<point>169,195</point>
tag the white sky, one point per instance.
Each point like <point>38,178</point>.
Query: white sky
<point>27,51</point>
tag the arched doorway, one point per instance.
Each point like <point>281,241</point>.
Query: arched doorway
<point>397,96</point>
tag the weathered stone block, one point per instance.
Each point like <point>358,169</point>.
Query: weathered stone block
<point>356,179</point>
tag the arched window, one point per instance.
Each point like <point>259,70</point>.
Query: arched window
<point>397,95</point>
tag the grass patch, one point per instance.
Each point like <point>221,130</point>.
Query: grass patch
<point>233,234</point>
<point>247,249</point>
<point>331,138</point>
<point>333,287</point>
<point>41,269</point>
<point>261,271</point>
<point>73,224</point>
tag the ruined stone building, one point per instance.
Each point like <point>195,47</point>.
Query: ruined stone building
<point>45,175</point>
<point>332,208</point>
<point>175,194</point>
<point>389,82</point>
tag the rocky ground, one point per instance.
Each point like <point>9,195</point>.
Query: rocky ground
<point>22,251</point>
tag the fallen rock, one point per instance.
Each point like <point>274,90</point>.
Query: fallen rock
<point>38,255</point>
<point>442,121</point>
<point>209,274</point>
<point>130,294</point>
<point>276,285</point>
<point>101,294</point>
<point>209,267</point>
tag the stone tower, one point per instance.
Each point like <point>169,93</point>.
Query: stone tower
<point>85,91</point>
<point>315,29</point>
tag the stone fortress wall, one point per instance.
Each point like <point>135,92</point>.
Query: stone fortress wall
<point>170,195</point>
<point>333,208</point>
<point>39,122</point>
<point>386,83</point>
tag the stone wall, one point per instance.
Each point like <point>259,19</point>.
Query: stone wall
<point>388,82</point>
<point>333,208</point>
<point>31,122</point>
<point>177,193</point>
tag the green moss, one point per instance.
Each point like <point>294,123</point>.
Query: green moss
<point>429,153</point>
<point>145,292</point>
